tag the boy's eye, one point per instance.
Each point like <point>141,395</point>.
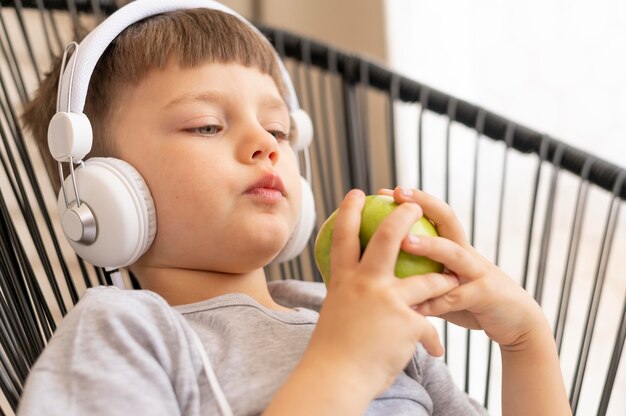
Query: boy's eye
<point>208,130</point>
<point>279,135</point>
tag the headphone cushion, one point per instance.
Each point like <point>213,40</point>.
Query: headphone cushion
<point>302,126</point>
<point>123,208</point>
<point>304,228</point>
<point>143,192</point>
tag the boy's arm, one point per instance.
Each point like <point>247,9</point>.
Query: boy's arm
<point>488,299</point>
<point>531,375</point>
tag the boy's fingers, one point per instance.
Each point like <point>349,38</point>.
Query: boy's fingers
<point>429,337</point>
<point>382,250</point>
<point>345,247</point>
<point>450,254</point>
<point>417,289</point>
<point>462,298</point>
<point>436,210</point>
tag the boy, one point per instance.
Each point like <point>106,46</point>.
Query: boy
<point>194,101</point>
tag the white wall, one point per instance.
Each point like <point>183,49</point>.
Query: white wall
<point>558,66</point>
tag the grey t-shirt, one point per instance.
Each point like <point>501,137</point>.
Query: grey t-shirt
<point>124,352</point>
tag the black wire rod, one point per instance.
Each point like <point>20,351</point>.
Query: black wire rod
<point>106,7</point>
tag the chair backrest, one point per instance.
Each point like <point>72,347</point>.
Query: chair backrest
<point>544,211</point>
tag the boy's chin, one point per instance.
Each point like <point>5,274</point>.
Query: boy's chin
<point>267,237</point>
<point>264,253</point>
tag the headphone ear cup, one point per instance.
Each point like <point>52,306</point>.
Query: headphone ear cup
<point>302,232</point>
<point>122,206</point>
<point>302,127</point>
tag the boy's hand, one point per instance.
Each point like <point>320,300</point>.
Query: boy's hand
<point>487,298</point>
<point>367,328</point>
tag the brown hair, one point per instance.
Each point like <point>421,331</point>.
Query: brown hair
<point>194,36</point>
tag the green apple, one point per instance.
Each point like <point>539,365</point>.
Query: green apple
<point>376,208</point>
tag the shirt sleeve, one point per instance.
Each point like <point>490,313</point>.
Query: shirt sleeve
<point>448,400</point>
<point>109,356</point>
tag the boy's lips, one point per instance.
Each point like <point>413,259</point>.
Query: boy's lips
<point>269,187</point>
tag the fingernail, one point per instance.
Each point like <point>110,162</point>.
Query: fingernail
<point>355,193</point>
<point>413,239</point>
<point>406,192</point>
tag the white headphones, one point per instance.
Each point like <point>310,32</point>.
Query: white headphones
<point>108,216</point>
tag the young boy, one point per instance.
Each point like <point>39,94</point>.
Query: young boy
<point>194,101</point>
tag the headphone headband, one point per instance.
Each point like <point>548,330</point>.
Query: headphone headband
<point>90,50</point>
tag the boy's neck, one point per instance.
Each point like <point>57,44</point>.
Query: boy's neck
<point>183,286</point>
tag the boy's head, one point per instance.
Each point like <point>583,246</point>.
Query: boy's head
<point>194,100</point>
<point>191,37</point>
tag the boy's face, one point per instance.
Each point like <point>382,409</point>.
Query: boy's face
<point>202,138</point>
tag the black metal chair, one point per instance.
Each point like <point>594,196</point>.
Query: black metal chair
<point>569,269</point>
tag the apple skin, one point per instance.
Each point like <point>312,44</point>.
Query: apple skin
<point>376,208</point>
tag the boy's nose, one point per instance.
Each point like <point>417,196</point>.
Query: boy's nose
<point>259,145</point>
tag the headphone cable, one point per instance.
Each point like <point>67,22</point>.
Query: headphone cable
<point>222,403</point>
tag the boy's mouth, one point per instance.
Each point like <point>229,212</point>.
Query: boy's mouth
<point>268,186</point>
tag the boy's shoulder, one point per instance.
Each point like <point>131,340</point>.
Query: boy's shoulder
<point>110,310</point>
<point>297,293</point>
<point>116,302</point>
<point>114,320</point>
<point>117,342</point>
